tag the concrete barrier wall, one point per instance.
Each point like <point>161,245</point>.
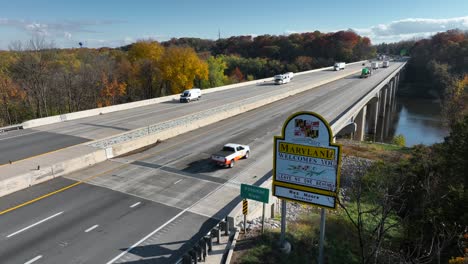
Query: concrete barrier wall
<point>109,109</point>
<point>45,173</point>
<point>132,140</point>
<point>138,138</point>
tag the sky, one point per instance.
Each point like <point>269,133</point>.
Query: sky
<point>102,23</point>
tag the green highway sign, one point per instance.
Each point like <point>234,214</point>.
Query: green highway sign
<point>255,193</point>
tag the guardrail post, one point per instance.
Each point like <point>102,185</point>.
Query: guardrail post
<point>226,231</point>
<point>209,242</point>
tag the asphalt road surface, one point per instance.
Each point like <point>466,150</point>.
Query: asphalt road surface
<point>21,144</point>
<point>152,206</point>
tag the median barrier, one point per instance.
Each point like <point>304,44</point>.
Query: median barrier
<point>141,137</point>
<point>37,171</point>
<point>114,108</point>
<point>116,145</point>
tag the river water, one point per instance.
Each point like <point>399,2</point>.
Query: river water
<point>418,120</point>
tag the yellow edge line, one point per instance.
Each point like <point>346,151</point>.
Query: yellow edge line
<point>39,198</point>
<point>57,191</point>
<point>102,173</point>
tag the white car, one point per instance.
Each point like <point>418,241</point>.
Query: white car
<point>190,95</point>
<point>230,154</point>
<point>339,66</point>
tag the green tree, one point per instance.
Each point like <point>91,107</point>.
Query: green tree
<point>216,68</point>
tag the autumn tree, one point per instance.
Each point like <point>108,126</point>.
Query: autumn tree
<point>11,97</point>
<point>180,67</point>
<point>67,69</point>
<point>110,91</point>
<point>145,56</point>
<point>236,76</point>
<point>32,72</point>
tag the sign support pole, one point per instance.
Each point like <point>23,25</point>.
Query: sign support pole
<point>283,223</point>
<point>322,235</point>
<point>263,218</point>
<point>245,210</point>
<point>245,224</point>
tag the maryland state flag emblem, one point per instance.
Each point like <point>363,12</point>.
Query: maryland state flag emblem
<point>306,128</point>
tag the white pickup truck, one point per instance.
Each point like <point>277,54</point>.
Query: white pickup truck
<point>230,154</point>
<point>282,78</point>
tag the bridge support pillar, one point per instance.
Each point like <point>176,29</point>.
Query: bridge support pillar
<point>360,121</point>
<point>372,117</point>
<point>382,113</point>
<point>393,95</point>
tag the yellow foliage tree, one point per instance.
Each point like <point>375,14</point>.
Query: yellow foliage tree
<point>180,66</point>
<point>146,49</point>
<point>145,57</point>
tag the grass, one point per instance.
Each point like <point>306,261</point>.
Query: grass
<point>303,235</point>
<point>374,151</point>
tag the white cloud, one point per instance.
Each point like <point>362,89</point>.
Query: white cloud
<point>67,35</point>
<point>60,31</point>
<point>411,28</point>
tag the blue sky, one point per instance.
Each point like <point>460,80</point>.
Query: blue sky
<point>116,23</point>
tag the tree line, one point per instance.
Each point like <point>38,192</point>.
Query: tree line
<point>415,209</point>
<point>39,80</point>
<point>438,68</point>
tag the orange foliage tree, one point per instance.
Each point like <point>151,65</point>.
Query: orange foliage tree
<point>10,96</point>
<point>110,91</point>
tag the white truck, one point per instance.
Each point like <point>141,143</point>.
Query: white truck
<point>230,154</point>
<point>190,95</point>
<point>375,65</point>
<point>339,66</point>
<point>290,74</point>
<point>386,64</point>
<point>282,78</point>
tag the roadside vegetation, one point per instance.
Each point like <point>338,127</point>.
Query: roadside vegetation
<point>408,206</point>
<point>411,204</point>
<point>40,80</point>
<point>438,69</point>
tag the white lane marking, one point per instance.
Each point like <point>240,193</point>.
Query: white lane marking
<point>178,181</point>
<point>91,228</point>
<point>136,204</point>
<point>34,259</point>
<point>148,236</point>
<point>33,225</point>
<point>15,136</point>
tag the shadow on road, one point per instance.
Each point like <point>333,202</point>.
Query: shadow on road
<point>157,253</point>
<point>270,83</point>
<point>202,166</point>
<point>352,77</point>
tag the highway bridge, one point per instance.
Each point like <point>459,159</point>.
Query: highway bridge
<point>72,192</point>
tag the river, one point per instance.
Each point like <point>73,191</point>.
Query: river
<point>418,120</point>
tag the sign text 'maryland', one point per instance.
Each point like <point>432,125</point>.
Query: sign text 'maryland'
<point>309,151</point>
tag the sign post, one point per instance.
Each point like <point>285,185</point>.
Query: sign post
<point>245,210</point>
<point>306,165</point>
<point>255,193</point>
